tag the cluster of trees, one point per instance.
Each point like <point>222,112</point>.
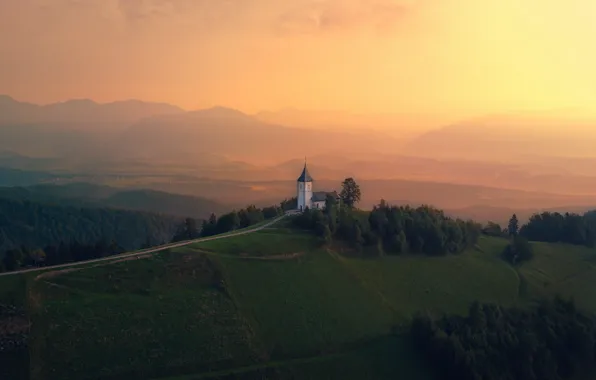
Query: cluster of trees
<point>231,221</point>
<point>518,250</point>
<point>550,227</point>
<point>564,228</point>
<point>389,229</point>
<point>392,229</point>
<point>495,229</point>
<point>552,341</point>
<point>62,253</point>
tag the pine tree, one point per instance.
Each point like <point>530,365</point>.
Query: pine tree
<point>513,226</point>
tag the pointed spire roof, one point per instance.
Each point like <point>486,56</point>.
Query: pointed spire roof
<point>305,176</point>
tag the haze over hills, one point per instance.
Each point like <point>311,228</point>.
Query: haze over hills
<point>76,128</point>
<point>229,156</point>
<point>80,112</point>
<point>510,137</point>
<point>240,137</point>
<point>400,126</point>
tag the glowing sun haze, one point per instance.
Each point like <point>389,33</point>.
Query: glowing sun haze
<point>456,57</point>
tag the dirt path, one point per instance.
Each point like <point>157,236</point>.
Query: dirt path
<point>285,256</point>
<point>146,252</point>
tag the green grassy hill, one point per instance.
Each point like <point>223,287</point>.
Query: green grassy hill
<point>272,304</point>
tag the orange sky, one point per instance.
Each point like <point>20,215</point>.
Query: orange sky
<point>455,57</point>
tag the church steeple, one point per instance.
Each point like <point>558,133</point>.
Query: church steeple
<point>305,176</point>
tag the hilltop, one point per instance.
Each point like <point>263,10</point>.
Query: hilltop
<point>275,303</point>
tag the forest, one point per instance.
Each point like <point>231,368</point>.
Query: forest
<point>553,227</point>
<point>551,341</point>
<point>392,229</point>
<point>42,235</point>
<point>550,227</point>
<point>35,225</point>
<point>62,253</point>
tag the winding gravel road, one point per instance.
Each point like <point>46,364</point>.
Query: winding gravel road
<point>151,250</point>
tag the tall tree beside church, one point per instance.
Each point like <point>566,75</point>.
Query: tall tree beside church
<point>513,226</point>
<point>350,192</point>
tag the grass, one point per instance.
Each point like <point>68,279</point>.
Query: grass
<point>261,243</point>
<point>412,283</point>
<point>13,290</point>
<point>13,327</point>
<point>305,306</point>
<point>158,316</point>
<point>244,308</point>
<point>375,359</point>
<point>562,269</point>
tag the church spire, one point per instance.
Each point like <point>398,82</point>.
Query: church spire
<point>305,176</point>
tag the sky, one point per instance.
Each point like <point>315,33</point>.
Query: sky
<point>457,58</point>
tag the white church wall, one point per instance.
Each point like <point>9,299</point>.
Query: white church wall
<point>318,205</point>
<point>304,195</point>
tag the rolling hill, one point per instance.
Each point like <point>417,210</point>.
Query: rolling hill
<point>237,136</point>
<point>82,129</point>
<point>273,304</point>
<point>79,111</point>
<point>509,137</point>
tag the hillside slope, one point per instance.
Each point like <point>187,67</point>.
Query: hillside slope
<point>99,196</point>
<point>36,225</point>
<point>273,304</point>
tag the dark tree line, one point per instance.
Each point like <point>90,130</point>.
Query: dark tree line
<point>550,227</point>
<point>554,227</point>
<point>392,229</point>
<point>552,341</point>
<point>36,225</point>
<point>62,253</point>
<point>231,221</point>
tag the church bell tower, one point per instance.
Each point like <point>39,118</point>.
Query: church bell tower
<point>304,189</point>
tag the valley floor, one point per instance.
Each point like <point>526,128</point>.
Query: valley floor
<point>271,304</point>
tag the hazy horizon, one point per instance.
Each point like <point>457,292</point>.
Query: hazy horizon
<point>464,92</point>
<point>447,60</point>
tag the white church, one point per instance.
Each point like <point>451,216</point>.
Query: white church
<point>306,197</point>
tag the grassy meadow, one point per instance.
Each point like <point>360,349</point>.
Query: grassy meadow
<point>271,304</point>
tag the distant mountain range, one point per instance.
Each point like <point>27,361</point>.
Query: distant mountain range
<point>154,143</point>
<point>509,138</point>
<point>156,132</point>
<point>80,111</point>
